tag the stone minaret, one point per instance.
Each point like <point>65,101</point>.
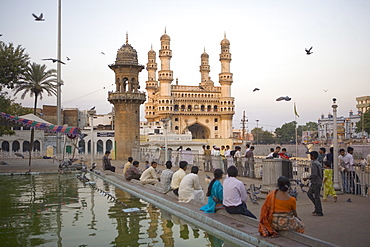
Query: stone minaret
<point>126,100</point>
<point>165,75</point>
<point>204,69</point>
<point>151,85</point>
<point>226,79</point>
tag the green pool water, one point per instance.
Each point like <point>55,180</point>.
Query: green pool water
<point>60,210</point>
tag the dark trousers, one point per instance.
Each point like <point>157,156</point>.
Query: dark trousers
<point>240,209</point>
<point>176,192</point>
<point>314,194</point>
<point>110,168</point>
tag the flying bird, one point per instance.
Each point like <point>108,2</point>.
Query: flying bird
<point>256,89</point>
<point>92,108</point>
<point>53,60</point>
<point>286,98</point>
<point>1,34</point>
<point>308,52</point>
<point>325,90</point>
<point>38,18</point>
<point>68,58</point>
<point>102,53</point>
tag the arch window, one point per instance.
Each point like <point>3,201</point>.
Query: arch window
<point>5,146</point>
<point>182,108</point>
<point>216,127</point>
<point>176,119</point>
<point>81,146</point>
<point>26,146</point>
<point>176,127</point>
<point>176,107</point>
<point>189,107</point>
<point>36,146</point>
<point>99,147</point>
<point>202,107</point>
<point>15,146</point>
<point>108,145</point>
<point>209,108</point>
<point>215,108</point>
<point>216,120</point>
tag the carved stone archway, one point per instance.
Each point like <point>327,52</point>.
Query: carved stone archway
<point>199,131</point>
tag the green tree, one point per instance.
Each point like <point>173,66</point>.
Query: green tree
<point>286,134</point>
<point>309,126</point>
<point>36,81</point>
<point>13,64</point>
<point>7,105</point>
<point>366,120</point>
<point>264,136</point>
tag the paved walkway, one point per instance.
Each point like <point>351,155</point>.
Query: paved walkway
<point>343,223</point>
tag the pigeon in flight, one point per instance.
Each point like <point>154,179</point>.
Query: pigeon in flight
<point>309,52</point>
<point>256,89</point>
<point>93,108</point>
<point>68,58</point>
<point>102,53</point>
<point>38,18</point>
<point>286,98</point>
<point>325,90</point>
<point>1,34</point>
<point>54,60</point>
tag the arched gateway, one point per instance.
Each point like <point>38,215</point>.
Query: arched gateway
<point>199,131</point>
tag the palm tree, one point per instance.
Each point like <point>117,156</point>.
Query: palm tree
<point>36,81</point>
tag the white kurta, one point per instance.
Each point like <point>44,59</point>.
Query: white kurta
<point>190,189</point>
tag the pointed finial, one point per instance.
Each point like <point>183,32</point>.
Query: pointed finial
<point>126,38</point>
<point>151,46</point>
<point>165,29</point>
<point>204,49</point>
<point>224,34</point>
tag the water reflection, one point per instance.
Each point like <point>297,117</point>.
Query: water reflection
<point>49,210</point>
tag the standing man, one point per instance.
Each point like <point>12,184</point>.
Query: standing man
<point>238,160</point>
<point>208,163</point>
<point>223,157</point>
<point>127,165</point>
<point>178,176</point>
<point>149,176</point>
<point>106,162</point>
<point>322,156</point>
<point>249,168</point>
<point>316,182</point>
<point>342,169</point>
<point>330,157</point>
<point>350,171</point>
<point>229,158</point>
<point>235,194</point>
<point>166,177</point>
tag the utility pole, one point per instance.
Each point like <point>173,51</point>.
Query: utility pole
<point>243,126</point>
<point>257,130</point>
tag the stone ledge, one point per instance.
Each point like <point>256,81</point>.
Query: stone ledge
<point>238,229</point>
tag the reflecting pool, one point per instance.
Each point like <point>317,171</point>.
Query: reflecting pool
<point>60,210</point>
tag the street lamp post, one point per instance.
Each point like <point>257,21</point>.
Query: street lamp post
<point>335,146</point>
<point>257,130</point>
<point>91,114</point>
<point>59,90</point>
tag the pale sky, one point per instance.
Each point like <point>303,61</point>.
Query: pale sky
<point>267,39</point>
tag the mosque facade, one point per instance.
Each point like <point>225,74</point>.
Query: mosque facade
<point>206,110</point>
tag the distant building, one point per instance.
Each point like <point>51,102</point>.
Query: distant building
<point>346,127</point>
<point>363,103</point>
<point>205,110</point>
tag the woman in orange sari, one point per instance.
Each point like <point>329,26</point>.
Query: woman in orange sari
<point>278,213</point>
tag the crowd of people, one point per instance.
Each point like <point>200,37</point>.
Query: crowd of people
<point>279,209</point>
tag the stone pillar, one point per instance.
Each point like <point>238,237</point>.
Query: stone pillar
<point>271,171</point>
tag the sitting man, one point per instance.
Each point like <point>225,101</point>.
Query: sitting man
<point>127,165</point>
<point>106,162</point>
<point>235,194</point>
<point>166,177</point>
<point>133,171</point>
<point>149,176</point>
<point>178,176</point>
<point>190,187</point>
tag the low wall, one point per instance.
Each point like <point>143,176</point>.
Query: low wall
<point>236,229</point>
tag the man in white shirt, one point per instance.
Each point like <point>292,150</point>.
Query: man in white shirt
<point>190,188</point>
<point>149,176</point>
<point>350,174</point>
<point>238,159</point>
<point>178,176</point>
<point>235,194</point>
